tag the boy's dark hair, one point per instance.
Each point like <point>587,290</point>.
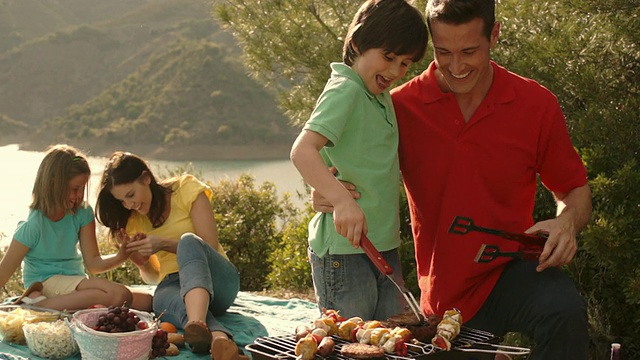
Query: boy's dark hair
<point>393,25</point>
<point>458,12</point>
<point>126,168</point>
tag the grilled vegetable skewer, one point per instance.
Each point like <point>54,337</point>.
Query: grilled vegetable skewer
<point>448,329</point>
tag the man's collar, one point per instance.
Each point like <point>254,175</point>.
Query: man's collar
<point>501,90</point>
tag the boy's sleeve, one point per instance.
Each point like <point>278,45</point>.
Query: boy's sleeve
<point>333,110</point>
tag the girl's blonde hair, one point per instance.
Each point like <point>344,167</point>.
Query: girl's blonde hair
<point>61,163</point>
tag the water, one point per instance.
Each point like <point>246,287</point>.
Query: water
<point>21,167</point>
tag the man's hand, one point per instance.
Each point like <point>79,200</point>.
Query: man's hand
<point>561,245</point>
<point>321,204</point>
<point>573,213</point>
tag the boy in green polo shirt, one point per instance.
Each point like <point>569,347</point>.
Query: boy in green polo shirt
<point>353,128</point>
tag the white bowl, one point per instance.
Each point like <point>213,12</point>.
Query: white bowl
<point>52,340</point>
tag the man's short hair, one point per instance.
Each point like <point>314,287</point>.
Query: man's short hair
<point>458,12</point>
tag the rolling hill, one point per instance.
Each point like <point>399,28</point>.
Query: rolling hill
<point>150,76</point>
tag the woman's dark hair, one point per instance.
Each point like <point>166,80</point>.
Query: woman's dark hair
<point>125,168</point>
<point>393,25</point>
<point>458,12</point>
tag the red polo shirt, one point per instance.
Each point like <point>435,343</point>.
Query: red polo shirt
<point>485,169</point>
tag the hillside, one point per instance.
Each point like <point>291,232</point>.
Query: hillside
<point>193,95</point>
<point>118,74</point>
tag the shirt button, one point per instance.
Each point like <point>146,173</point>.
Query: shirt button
<point>457,122</point>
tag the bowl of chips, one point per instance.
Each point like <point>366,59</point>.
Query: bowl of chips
<point>13,317</point>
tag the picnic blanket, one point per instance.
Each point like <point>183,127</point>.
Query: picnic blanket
<point>251,316</point>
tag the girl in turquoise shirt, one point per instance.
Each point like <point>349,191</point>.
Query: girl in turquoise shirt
<point>46,243</point>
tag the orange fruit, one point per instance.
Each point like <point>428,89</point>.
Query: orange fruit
<point>168,327</point>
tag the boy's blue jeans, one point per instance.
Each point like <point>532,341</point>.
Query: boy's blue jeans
<point>354,286</point>
<point>200,267</point>
<point>544,305</point>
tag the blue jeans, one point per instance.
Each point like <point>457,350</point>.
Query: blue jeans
<point>200,267</point>
<point>545,306</point>
<point>354,286</point>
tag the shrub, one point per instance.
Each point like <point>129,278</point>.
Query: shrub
<point>247,219</point>
<point>290,268</point>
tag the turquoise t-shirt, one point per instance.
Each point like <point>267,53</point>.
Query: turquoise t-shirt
<point>53,245</point>
<point>363,146</point>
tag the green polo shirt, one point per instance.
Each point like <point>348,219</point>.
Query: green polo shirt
<point>363,146</point>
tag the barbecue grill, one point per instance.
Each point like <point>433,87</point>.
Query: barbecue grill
<point>470,344</point>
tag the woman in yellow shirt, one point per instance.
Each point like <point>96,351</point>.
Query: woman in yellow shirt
<point>170,231</point>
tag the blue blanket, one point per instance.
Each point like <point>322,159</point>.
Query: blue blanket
<point>250,317</point>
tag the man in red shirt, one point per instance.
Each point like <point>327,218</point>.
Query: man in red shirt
<point>474,137</point>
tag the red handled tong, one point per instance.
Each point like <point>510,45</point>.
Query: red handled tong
<point>382,265</point>
<point>530,248</point>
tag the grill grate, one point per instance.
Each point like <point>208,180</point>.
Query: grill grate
<point>283,347</point>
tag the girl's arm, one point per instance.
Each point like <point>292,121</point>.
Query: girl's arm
<point>93,261</point>
<point>204,222</point>
<point>11,260</point>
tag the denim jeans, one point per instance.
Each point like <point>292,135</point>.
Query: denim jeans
<point>543,305</point>
<point>354,286</point>
<point>200,267</point>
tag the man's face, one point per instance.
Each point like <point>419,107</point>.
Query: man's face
<point>462,54</point>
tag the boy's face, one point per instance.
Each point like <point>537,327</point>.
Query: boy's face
<point>462,54</point>
<point>379,69</point>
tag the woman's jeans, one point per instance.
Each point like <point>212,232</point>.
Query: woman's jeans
<point>354,286</point>
<point>543,305</point>
<point>200,267</point>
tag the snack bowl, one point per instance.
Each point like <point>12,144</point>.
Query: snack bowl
<point>51,340</point>
<point>13,317</point>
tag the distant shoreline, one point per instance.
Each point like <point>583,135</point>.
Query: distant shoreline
<point>179,153</point>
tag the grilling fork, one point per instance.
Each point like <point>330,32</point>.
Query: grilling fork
<point>382,265</point>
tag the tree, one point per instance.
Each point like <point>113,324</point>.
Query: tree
<point>585,51</point>
<point>288,44</point>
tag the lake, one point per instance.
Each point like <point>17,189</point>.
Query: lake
<point>21,168</point>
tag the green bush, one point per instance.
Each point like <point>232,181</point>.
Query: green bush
<point>247,219</point>
<point>290,268</point>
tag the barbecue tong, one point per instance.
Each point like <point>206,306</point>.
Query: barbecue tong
<point>382,265</point>
<point>531,245</point>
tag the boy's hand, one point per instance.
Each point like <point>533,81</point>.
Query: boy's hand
<point>350,221</point>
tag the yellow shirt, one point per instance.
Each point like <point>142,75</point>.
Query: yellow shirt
<point>186,189</point>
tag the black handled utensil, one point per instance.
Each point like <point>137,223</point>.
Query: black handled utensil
<point>463,225</point>
<point>382,265</point>
<point>488,253</point>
